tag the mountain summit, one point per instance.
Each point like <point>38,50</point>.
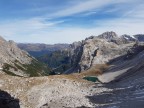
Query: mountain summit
<point>108,35</point>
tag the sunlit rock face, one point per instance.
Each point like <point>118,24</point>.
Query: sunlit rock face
<point>98,50</point>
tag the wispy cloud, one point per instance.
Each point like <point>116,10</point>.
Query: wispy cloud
<point>47,28</point>
<point>81,7</point>
<point>28,26</point>
<point>136,12</point>
<point>89,5</point>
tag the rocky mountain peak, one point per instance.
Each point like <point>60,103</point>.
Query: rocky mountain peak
<point>108,35</point>
<point>98,50</point>
<point>75,44</point>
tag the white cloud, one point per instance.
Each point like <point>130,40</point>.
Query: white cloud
<point>69,35</point>
<point>41,31</point>
<point>30,26</point>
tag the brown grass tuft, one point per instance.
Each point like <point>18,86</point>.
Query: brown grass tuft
<point>93,71</point>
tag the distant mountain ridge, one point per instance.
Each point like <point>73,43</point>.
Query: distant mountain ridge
<point>41,47</point>
<point>108,35</point>
<point>38,49</point>
<point>80,56</point>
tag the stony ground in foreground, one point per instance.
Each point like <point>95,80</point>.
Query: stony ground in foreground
<point>52,91</point>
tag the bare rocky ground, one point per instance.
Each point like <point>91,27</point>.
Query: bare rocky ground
<point>50,92</point>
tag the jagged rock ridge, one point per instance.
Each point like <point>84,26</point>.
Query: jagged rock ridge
<point>98,50</point>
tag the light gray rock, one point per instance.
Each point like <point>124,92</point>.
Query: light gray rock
<point>97,50</point>
<point>10,55</point>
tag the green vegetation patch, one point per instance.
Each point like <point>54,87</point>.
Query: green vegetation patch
<point>9,73</point>
<point>36,69</point>
<point>19,67</point>
<point>59,61</point>
<point>6,68</point>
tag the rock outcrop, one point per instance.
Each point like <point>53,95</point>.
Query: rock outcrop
<point>7,101</point>
<point>75,52</point>
<point>126,65</point>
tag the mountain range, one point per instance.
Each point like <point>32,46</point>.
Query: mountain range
<point>81,55</point>
<point>104,71</point>
<point>37,49</point>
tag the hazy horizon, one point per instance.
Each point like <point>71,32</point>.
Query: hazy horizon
<point>66,21</point>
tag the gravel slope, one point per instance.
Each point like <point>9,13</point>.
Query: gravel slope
<point>53,91</point>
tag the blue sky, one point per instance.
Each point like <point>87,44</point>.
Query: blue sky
<point>66,21</point>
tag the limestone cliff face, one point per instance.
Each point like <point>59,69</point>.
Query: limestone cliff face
<point>76,52</point>
<point>10,52</point>
<point>13,60</point>
<point>98,50</point>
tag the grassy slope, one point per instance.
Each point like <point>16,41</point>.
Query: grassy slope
<point>36,68</point>
<point>93,71</point>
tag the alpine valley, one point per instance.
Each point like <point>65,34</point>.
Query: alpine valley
<point>104,71</point>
